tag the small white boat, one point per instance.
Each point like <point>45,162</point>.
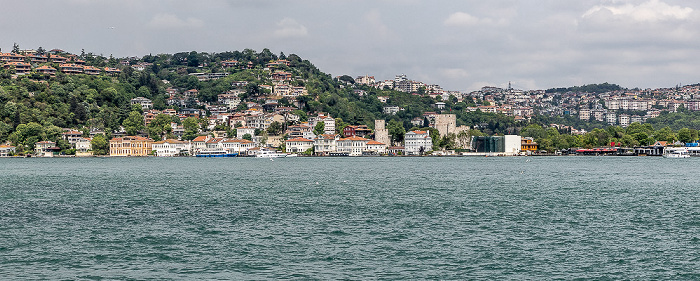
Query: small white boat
<point>270,154</point>
<point>676,153</point>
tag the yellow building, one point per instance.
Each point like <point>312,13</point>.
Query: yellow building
<point>528,145</point>
<point>130,146</point>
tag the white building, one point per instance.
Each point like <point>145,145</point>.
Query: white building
<point>325,144</point>
<point>415,141</point>
<point>375,147</point>
<point>170,148</point>
<point>329,125</point>
<point>242,131</point>
<point>83,144</point>
<point>143,102</point>
<point>298,145</point>
<point>237,146</point>
<point>354,145</point>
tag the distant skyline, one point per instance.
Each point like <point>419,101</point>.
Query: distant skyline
<point>460,45</point>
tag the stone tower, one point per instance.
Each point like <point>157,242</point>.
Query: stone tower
<point>381,134</point>
<point>446,123</point>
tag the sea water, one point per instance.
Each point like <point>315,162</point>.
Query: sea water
<point>391,218</point>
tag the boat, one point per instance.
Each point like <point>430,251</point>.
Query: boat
<point>270,154</point>
<point>215,153</point>
<point>676,153</point>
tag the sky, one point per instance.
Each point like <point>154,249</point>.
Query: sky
<point>460,45</point>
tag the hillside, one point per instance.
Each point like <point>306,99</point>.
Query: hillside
<point>42,94</point>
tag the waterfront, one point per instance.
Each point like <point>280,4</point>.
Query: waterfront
<point>350,218</point>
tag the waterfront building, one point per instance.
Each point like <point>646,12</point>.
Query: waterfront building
<point>298,145</point>
<point>325,144</point>
<point>375,148</point>
<point>170,147</point>
<point>507,145</point>
<point>353,146</point>
<point>83,144</point>
<point>237,146</point>
<point>417,142</point>
<point>6,150</point>
<point>130,146</point>
<point>528,145</point>
<point>45,148</point>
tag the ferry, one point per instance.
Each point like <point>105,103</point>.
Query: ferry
<point>215,153</point>
<point>270,154</point>
<point>676,153</point>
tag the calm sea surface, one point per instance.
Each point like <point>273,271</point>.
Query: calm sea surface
<point>350,218</point>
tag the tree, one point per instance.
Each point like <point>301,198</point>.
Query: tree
<point>319,128</point>
<point>684,135</point>
<point>275,128</point>
<point>396,130</point>
<point>159,127</point>
<point>100,145</point>
<point>191,127</point>
<point>15,48</point>
<point>247,137</point>
<point>133,124</point>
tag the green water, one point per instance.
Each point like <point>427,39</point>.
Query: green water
<point>350,218</point>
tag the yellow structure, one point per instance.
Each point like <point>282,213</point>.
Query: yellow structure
<point>130,146</point>
<point>528,145</point>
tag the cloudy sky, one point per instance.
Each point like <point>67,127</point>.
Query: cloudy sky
<point>461,45</point>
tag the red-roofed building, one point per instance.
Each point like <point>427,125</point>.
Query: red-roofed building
<point>20,67</point>
<point>91,70</point>
<point>70,68</point>
<point>353,146</point>
<point>298,145</point>
<point>325,144</point>
<point>375,148</point>
<point>9,57</point>
<point>58,59</point>
<point>45,69</point>
<point>359,130</point>
<point>112,71</point>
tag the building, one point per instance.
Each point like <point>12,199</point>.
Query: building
<point>6,150</point>
<point>298,145</point>
<point>359,130</point>
<point>391,109</point>
<point>528,145</point>
<point>375,148</point>
<point>130,146</point>
<point>70,68</point>
<point>417,142</point>
<point>83,145</point>
<point>45,69</point>
<point>501,145</point>
<point>169,148</point>
<point>145,103</point>
<point>584,114</point>
<point>20,67</point>
<point>445,124</point>
<point>326,144</point>
<point>242,131</point>
<point>45,148</point>
<point>237,146</point>
<point>353,146</point>
<point>381,134</point>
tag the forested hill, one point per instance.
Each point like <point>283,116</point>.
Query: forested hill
<point>103,100</point>
<point>44,93</point>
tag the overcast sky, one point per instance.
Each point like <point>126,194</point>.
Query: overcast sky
<point>461,45</point>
